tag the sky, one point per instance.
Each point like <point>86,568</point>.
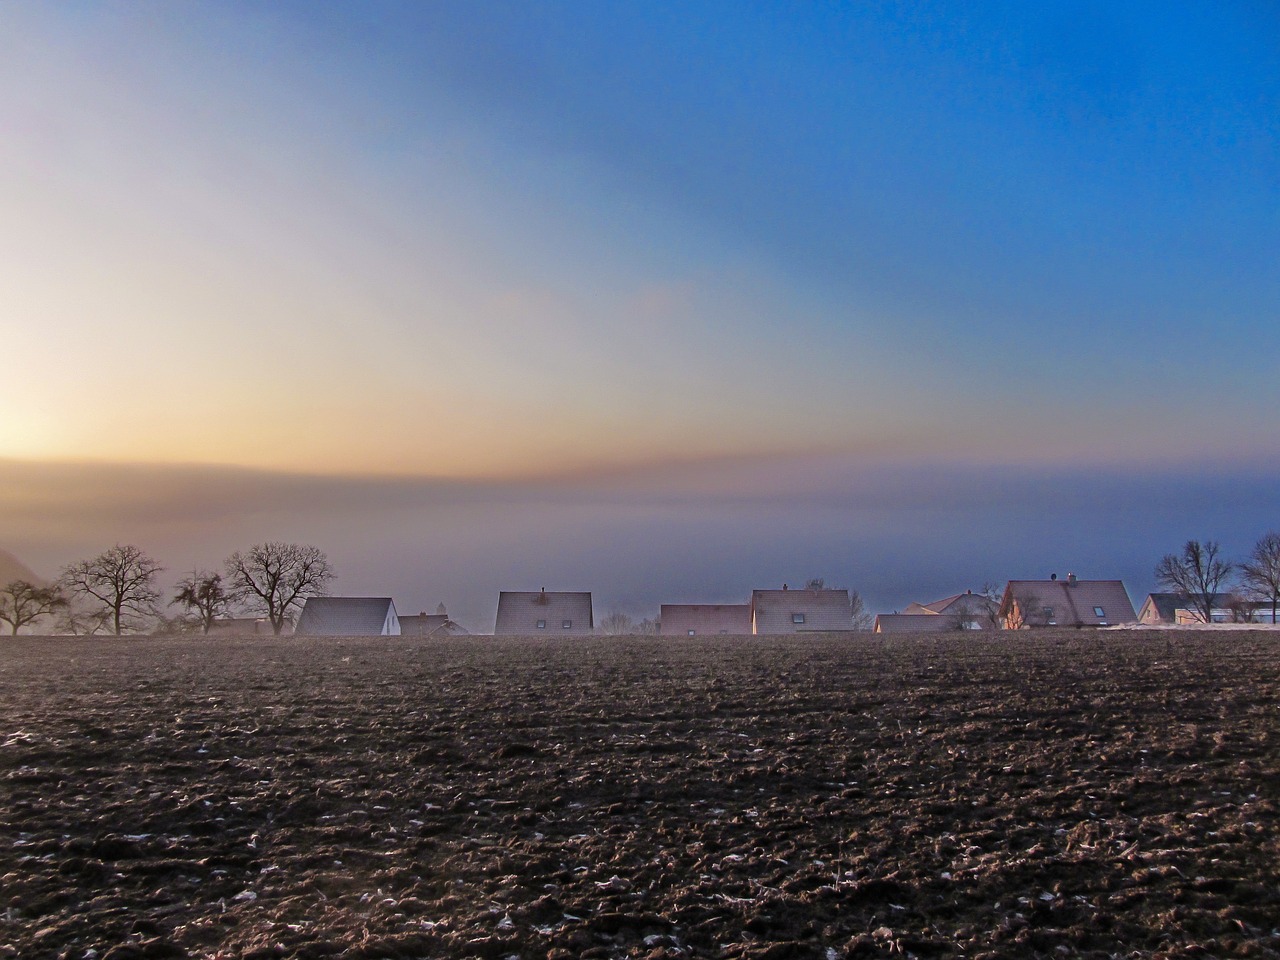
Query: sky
<point>666,301</point>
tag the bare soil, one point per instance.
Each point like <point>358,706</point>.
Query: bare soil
<point>1042,795</point>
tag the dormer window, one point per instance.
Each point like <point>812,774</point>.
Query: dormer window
<point>797,618</point>
<point>567,625</point>
<point>542,624</point>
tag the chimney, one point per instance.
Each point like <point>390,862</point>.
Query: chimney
<point>1053,576</point>
<point>1071,579</point>
<point>784,586</point>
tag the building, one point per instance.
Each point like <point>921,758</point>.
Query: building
<point>1183,609</point>
<point>800,611</point>
<point>963,611</point>
<point>705,619</point>
<point>244,627</point>
<point>436,626</point>
<point>1065,603</point>
<point>348,617</point>
<point>539,613</point>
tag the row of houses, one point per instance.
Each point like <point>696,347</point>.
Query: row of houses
<point>1067,602</point>
<point>570,613</point>
<point>807,610</point>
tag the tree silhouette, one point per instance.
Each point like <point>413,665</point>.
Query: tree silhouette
<point>275,578</point>
<point>120,582</point>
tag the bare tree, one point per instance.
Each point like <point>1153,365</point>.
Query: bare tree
<point>616,624</point>
<point>858,615</point>
<point>1196,575</point>
<point>1241,607</point>
<point>274,578</point>
<point>80,620</point>
<point>989,615</point>
<point>1024,612</point>
<point>649,627</point>
<point>120,581</point>
<point>22,603</point>
<point>1260,574</point>
<point>1015,617</point>
<point>203,597</point>
<point>977,611</point>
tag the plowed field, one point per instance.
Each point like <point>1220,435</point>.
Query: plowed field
<point>1052,795</point>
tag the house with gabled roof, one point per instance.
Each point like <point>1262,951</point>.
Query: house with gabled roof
<point>544,613</point>
<point>705,619</point>
<point>1069,602</point>
<point>1187,609</point>
<point>961,611</point>
<point>348,617</point>
<point>436,626</point>
<point>800,611</point>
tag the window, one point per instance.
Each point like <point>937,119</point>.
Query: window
<point>693,633</point>
<point>797,618</point>
<point>1099,612</point>
<point>567,625</point>
<point>542,624</point>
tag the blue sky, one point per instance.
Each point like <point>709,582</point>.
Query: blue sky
<point>549,243</point>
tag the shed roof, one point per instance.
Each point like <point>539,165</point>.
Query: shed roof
<point>701,619</point>
<point>344,616</point>
<point>430,625</point>
<point>912,623</point>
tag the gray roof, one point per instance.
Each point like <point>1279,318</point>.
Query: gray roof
<point>968,603</point>
<point>913,623</point>
<point>678,619</point>
<point>1069,602</point>
<point>429,625</point>
<point>240,626</point>
<point>800,611</point>
<point>521,612</point>
<point>347,617</point>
